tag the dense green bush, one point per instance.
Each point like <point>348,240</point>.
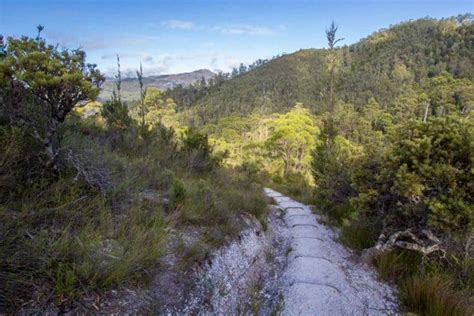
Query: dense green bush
<point>115,113</point>
<point>426,179</point>
<point>416,175</point>
<point>197,152</point>
<point>333,160</point>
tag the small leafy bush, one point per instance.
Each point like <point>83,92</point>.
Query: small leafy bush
<point>197,152</point>
<point>177,193</point>
<point>115,113</point>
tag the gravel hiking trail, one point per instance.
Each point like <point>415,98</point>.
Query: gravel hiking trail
<point>322,277</point>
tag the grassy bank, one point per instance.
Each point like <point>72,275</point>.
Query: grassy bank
<point>104,220</point>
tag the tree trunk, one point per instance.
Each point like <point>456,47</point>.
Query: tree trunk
<point>286,167</point>
<point>331,90</point>
<point>51,150</point>
<point>51,145</point>
<point>425,117</point>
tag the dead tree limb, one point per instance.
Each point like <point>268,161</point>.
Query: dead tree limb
<point>426,243</point>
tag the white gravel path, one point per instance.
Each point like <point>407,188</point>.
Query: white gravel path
<point>322,276</point>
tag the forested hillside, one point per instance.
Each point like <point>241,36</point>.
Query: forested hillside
<point>382,65</point>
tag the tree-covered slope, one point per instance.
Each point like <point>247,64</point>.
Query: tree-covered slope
<point>382,65</point>
<point>407,53</point>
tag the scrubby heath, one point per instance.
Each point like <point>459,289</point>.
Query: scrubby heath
<point>89,193</point>
<point>378,136</point>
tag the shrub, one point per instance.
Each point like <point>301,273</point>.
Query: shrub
<point>197,152</point>
<point>331,167</point>
<point>425,179</point>
<point>40,84</point>
<point>115,113</point>
<point>178,193</point>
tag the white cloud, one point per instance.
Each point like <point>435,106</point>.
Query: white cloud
<point>178,24</point>
<point>253,30</point>
<point>128,56</point>
<point>246,30</point>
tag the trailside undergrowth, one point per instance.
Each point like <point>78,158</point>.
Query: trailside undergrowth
<point>98,216</point>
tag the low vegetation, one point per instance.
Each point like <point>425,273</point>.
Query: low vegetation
<point>426,288</point>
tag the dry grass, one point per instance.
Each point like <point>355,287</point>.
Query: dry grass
<point>435,295</point>
<point>358,235</point>
<point>425,288</point>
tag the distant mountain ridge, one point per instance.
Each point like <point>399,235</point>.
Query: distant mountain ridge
<point>131,89</point>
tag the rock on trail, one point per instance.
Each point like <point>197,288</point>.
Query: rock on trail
<point>322,277</point>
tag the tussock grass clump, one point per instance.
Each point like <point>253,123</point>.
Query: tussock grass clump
<point>358,235</point>
<point>426,287</point>
<point>217,201</point>
<point>435,295</point>
<point>397,265</point>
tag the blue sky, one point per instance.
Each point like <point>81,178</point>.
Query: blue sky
<point>178,36</point>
